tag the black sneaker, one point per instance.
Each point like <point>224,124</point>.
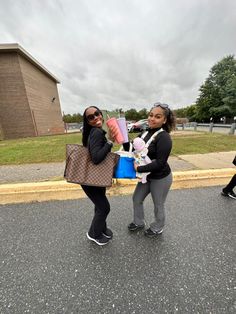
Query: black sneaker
<point>134,227</point>
<point>108,233</point>
<point>151,234</point>
<point>101,241</point>
<point>230,194</point>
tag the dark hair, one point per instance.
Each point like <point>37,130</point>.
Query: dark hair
<point>86,126</point>
<point>170,118</point>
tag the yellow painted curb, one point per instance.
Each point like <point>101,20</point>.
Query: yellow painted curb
<point>61,190</point>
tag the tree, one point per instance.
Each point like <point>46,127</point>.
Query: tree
<point>230,98</point>
<point>76,117</point>
<point>218,94</point>
<point>132,114</point>
<point>187,112</point>
<point>143,113</point>
<point>191,112</point>
<point>180,113</point>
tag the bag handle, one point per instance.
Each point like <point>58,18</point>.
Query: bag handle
<point>130,148</point>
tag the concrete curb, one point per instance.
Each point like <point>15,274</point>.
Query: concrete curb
<point>61,190</point>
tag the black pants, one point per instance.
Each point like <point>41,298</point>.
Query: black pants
<point>102,208</point>
<point>229,187</point>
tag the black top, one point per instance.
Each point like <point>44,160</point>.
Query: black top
<point>98,145</point>
<point>158,151</point>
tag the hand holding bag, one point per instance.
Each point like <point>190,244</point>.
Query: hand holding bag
<point>80,168</point>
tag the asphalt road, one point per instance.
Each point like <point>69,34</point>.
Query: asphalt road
<point>48,266</point>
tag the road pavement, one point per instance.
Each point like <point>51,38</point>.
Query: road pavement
<point>48,265</point>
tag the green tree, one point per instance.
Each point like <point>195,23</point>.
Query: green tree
<point>132,114</point>
<point>191,112</point>
<point>67,118</point>
<point>143,113</point>
<point>76,117</point>
<point>218,94</point>
<point>230,98</point>
<point>187,112</point>
<point>180,113</point>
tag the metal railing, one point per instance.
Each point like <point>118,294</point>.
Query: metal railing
<point>210,127</point>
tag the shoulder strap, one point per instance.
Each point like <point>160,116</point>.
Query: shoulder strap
<point>152,137</point>
<point>144,134</point>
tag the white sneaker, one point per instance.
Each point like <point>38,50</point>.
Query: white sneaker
<point>101,241</point>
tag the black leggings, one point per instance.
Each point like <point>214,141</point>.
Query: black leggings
<point>229,187</point>
<point>102,208</point>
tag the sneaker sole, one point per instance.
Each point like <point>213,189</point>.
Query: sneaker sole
<point>94,240</point>
<point>228,195</point>
<point>137,228</point>
<point>154,235</point>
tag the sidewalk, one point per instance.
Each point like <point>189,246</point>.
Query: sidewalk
<point>40,182</point>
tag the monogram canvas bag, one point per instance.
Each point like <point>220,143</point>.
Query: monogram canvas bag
<point>80,168</point>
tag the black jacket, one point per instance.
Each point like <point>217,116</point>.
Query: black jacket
<point>158,151</point>
<point>98,145</point>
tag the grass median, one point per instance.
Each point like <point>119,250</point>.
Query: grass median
<point>52,148</point>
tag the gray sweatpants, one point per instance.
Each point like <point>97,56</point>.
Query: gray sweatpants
<point>159,189</point>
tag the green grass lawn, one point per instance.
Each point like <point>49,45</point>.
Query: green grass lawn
<point>202,143</point>
<point>52,148</point>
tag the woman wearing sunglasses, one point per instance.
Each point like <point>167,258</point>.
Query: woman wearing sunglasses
<point>94,138</point>
<point>161,122</point>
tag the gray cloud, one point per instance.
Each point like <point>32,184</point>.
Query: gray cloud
<point>121,53</point>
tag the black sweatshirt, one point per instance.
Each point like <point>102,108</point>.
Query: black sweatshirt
<point>158,151</point>
<point>98,145</point>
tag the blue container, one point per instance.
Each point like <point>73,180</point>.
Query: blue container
<point>125,168</point>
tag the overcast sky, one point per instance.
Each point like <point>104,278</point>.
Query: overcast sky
<point>123,53</point>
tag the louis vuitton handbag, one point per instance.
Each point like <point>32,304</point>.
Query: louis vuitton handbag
<point>80,168</point>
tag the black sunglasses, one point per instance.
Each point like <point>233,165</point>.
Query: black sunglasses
<point>93,116</point>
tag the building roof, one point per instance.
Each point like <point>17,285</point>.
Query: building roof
<point>17,48</point>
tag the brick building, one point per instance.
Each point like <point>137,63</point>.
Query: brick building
<point>29,100</point>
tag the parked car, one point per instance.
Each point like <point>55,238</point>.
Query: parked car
<point>139,126</point>
<point>129,125</point>
<point>74,127</point>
